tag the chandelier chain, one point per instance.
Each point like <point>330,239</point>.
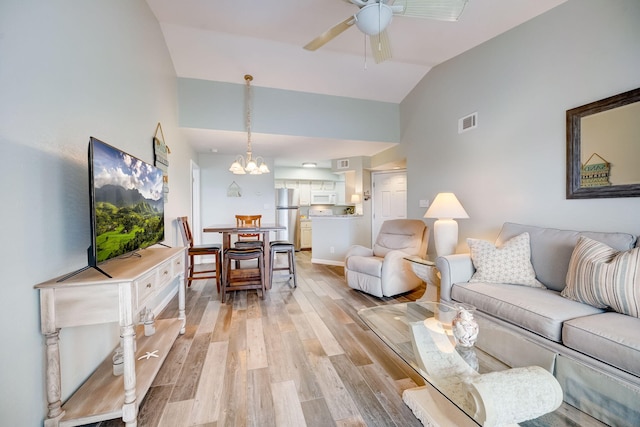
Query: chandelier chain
<point>248,79</point>
<point>242,165</point>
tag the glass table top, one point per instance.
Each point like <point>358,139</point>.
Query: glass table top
<point>421,334</point>
<point>416,259</point>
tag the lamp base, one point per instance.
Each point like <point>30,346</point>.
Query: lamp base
<point>445,236</point>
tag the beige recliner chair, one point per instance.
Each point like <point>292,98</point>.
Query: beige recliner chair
<point>383,271</point>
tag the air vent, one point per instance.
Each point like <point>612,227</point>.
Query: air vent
<point>342,164</point>
<point>468,122</point>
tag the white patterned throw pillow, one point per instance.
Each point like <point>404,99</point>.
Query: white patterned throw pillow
<point>603,277</point>
<point>509,263</point>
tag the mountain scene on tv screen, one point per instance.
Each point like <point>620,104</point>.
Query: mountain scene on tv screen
<point>129,206</point>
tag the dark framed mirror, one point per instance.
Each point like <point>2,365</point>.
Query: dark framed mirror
<point>603,148</point>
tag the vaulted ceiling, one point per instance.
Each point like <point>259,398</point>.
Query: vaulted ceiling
<point>223,40</point>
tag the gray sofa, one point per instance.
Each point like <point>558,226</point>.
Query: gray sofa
<point>594,353</point>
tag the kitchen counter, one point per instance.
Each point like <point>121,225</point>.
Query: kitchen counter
<point>333,235</point>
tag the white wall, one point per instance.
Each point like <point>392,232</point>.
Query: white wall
<point>258,194</point>
<point>512,167</point>
<point>69,70</point>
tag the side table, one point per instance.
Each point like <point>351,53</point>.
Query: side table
<point>427,271</point>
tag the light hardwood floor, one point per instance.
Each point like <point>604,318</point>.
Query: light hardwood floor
<point>298,357</point>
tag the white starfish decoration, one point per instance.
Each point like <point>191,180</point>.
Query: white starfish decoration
<point>149,355</point>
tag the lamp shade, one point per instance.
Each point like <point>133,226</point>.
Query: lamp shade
<point>446,206</point>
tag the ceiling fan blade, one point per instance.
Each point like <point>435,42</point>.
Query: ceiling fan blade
<point>330,34</point>
<point>442,10</point>
<point>380,47</point>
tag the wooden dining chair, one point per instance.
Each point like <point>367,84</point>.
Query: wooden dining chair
<point>249,240</point>
<point>199,250</point>
<point>248,221</point>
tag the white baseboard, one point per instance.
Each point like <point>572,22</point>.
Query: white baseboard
<point>327,262</point>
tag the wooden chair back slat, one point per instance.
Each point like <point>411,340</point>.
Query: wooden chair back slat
<point>248,221</point>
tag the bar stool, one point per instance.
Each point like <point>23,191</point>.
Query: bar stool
<point>248,240</point>
<point>283,246</point>
<point>243,280</point>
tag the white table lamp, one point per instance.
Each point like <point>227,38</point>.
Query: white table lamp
<point>445,208</point>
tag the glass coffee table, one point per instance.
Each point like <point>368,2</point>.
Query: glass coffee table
<point>464,386</point>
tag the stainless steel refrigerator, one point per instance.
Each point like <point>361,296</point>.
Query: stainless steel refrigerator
<point>287,215</point>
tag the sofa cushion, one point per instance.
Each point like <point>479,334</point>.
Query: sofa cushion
<point>603,277</point>
<point>551,248</point>
<point>509,263</point>
<point>539,310</point>
<point>609,337</point>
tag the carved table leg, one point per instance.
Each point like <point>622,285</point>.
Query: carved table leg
<point>52,349</point>
<point>52,358</point>
<point>129,409</point>
<point>181,304</point>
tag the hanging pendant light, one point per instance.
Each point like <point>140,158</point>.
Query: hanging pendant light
<point>249,165</point>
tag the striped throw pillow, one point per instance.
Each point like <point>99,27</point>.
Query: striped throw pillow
<point>604,277</point>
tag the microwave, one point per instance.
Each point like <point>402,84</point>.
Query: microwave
<point>323,198</point>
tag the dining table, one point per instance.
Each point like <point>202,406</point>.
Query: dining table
<point>264,230</point>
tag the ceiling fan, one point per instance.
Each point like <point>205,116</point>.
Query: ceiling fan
<point>374,16</point>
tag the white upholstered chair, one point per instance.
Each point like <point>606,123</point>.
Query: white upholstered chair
<point>383,271</point>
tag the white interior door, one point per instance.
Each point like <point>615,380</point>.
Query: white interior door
<point>389,198</point>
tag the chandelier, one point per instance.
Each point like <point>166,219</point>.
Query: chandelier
<point>243,165</point>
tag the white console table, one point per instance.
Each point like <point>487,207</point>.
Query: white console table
<point>90,298</point>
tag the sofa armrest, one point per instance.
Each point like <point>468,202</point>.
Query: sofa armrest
<point>357,250</point>
<point>453,269</point>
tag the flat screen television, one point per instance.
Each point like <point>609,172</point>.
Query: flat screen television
<point>126,203</point>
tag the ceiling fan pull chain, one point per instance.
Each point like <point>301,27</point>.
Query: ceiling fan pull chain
<point>248,79</point>
<point>379,20</point>
<point>365,52</point>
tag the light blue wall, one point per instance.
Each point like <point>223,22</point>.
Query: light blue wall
<point>512,167</point>
<point>69,70</point>
<point>216,105</point>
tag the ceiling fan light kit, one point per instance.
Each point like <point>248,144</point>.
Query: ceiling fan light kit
<point>375,16</point>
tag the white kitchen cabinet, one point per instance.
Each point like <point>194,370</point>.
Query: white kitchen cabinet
<point>316,185</point>
<point>328,185</point>
<point>340,193</point>
<point>305,234</point>
<point>304,190</point>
